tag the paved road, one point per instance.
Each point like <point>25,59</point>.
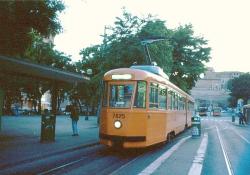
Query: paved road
<point>223,149</point>
<point>228,148</point>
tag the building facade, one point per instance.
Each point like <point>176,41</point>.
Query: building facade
<point>212,90</point>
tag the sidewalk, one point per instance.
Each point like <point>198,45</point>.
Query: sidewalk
<point>20,137</point>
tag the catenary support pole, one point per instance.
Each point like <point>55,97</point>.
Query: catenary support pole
<point>1,106</point>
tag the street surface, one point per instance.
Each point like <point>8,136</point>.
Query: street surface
<point>222,149</point>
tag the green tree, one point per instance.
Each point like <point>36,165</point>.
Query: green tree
<point>19,17</point>
<point>161,52</point>
<point>189,55</point>
<point>240,88</point>
<point>181,55</point>
<point>12,87</point>
<point>24,27</point>
<point>42,52</point>
<point>120,48</point>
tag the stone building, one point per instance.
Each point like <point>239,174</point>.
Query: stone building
<point>211,90</point>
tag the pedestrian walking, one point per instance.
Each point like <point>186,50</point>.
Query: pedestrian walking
<point>241,118</point>
<point>74,115</point>
<point>16,109</point>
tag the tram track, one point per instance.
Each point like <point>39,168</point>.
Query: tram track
<point>89,159</point>
<point>108,161</point>
<point>27,165</point>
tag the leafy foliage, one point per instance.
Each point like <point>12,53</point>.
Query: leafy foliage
<point>19,17</point>
<point>42,52</point>
<point>25,23</point>
<point>181,55</point>
<point>24,28</point>
<point>240,88</point>
<point>189,55</point>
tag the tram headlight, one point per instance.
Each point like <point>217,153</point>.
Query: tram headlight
<point>118,124</point>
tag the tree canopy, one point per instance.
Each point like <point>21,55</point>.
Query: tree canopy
<point>182,55</point>
<point>25,26</point>
<point>19,17</point>
<point>189,55</point>
<point>240,88</point>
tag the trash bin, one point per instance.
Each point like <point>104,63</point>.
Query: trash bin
<point>48,127</point>
<point>247,116</point>
<point>196,126</point>
<point>246,113</point>
<point>87,117</point>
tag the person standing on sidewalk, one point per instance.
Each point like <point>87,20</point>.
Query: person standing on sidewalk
<point>16,109</point>
<point>241,118</point>
<point>74,115</point>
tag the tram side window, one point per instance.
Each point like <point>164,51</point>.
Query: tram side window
<point>140,97</point>
<point>176,101</point>
<point>172,100</point>
<point>105,95</point>
<point>190,106</point>
<point>169,99</point>
<point>153,96</point>
<point>162,97</point>
<point>181,103</point>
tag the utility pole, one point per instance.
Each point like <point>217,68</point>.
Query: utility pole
<point>1,106</point>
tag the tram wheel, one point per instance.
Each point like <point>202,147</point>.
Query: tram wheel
<point>170,136</point>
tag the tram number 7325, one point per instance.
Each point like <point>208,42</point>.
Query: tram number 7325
<point>141,108</point>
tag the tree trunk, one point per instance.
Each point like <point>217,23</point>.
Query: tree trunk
<point>8,102</point>
<point>54,97</point>
<point>59,100</point>
<point>40,105</point>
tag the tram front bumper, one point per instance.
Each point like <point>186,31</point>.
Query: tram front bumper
<point>124,141</point>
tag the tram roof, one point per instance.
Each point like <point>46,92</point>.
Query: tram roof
<point>138,74</point>
<point>151,68</point>
<point>19,67</point>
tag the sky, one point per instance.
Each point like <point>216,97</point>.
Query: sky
<point>224,23</point>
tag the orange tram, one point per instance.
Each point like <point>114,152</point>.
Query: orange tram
<point>140,107</point>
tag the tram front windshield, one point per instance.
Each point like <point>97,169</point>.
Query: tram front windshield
<point>121,95</point>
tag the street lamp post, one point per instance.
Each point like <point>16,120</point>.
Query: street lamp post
<point>89,73</point>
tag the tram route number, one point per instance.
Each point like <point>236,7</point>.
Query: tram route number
<point>118,116</point>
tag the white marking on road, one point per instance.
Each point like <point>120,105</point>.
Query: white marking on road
<point>241,136</point>
<point>228,164</point>
<point>236,132</point>
<point>212,127</point>
<point>199,158</point>
<point>156,164</point>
